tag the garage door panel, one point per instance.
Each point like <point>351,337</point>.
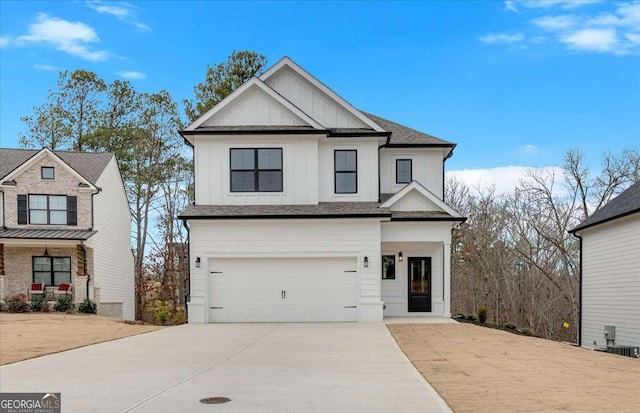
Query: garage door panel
<point>317,289</point>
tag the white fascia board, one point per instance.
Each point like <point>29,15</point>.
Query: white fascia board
<point>264,87</point>
<point>426,193</point>
<point>286,61</point>
<point>41,154</point>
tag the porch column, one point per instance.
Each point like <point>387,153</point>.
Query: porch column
<point>446,278</point>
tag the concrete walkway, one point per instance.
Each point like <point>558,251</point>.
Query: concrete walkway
<point>329,367</point>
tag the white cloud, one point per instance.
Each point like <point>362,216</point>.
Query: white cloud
<point>119,11</point>
<point>131,74</point>
<point>561,22</point>
<point>50,68</point>
<point>626,15</point>
<point>122,10</point>
<point>633,37</point>
<point>503,178</point>
<point>511,6</point>
<point>4,41</point>
<point>530,148</point>
<point>503,38</point>
<point>596,40</point>
<point>69,37</point>
<point>565,4</point>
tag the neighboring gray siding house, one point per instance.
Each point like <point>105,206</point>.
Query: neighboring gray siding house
<point>610,282</point>
<point>64,218</point>
<point>308,209</point>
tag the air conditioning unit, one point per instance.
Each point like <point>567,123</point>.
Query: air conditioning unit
<point>628,351</point>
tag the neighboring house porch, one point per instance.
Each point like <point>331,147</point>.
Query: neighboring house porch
<point>50,257</point>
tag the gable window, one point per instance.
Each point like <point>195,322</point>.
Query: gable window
<point>403,171</point>
<point>346,171</point>
<point>388,267</point>
<point>52,270</point>
<point>48,209</point>
<point>256,170</point>
<point>47,172</point>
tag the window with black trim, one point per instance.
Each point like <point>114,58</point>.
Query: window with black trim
<point>403,171</point>
<point>48,209</point>
<point>388,267</point>
<point>256,170</point>
<point>346,171</point>
<point>47,172</point>
<point>52,270</point>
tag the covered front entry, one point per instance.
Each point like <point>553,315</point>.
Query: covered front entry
<point>283,289</point>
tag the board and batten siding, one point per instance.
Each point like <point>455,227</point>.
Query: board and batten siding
<point>611,282</point>
<point>427,168</point>
<point>299,170</point>
<point>367,170</point>
<point>113,259</point>
<point>312,100</point>
<point>298,238</point>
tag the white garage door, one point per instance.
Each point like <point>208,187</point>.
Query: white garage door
<point>283,289</point>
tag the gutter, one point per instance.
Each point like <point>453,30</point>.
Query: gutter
<point>187,296</point>
<point>92,207</point>
<point>579,292</point>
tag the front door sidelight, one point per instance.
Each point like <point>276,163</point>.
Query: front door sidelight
<point>419,284</point>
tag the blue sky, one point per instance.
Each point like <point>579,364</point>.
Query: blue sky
<point>514,83</point>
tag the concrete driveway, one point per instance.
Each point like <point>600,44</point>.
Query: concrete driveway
<point>328,367</point>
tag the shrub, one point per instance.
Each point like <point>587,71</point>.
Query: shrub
<point>17,303</point>
<point>64,304</point>
<point>526,331</point>
<point>482,314</point>
<point>2,306</point>
<point>87,307</point>
<point>510,326</point>
<point>38,302</point>
<point>471,317</point>
<point>160,312</point>
<point>179,317</point>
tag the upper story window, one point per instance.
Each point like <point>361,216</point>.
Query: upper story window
<point>346,171</point>
<point>48,209</point>
<point>47,172</point>
<point>403,171</point>
<point>256,170</point>
<point>36,209</point>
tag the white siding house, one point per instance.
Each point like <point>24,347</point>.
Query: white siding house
<point>610,263</point>
<point>65,219</point>
<point>308,209</point>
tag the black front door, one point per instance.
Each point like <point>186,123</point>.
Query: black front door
<point>419,284</point>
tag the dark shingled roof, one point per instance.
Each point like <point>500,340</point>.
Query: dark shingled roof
<point>321,210</point>
<point>402,135</point>
<point>32,233</point>
<point>88,164</point>
<point>626,203</point>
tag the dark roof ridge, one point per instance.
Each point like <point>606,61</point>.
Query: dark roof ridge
<point>627,203</point>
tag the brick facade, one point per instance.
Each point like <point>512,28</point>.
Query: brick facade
<point>30,182</point>
<point>19,269</point>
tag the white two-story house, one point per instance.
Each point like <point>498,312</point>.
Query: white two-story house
<point>308,209</point>
<point>65,219</point>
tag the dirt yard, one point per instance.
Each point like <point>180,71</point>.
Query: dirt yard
<point>477,369</point>
<point>24,336</point>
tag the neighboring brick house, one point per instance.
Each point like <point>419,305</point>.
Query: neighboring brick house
<point>64,218</point>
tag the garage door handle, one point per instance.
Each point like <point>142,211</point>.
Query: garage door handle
<point>285,294</point>
<point>217,308</point>
<point>216,272</point>
<point>351,271</point>
<point>350,306</point>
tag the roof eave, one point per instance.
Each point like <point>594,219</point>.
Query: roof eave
<point>593,224</point>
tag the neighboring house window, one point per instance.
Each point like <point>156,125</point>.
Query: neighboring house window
<point>52,270</point>
<point>403,171</point>
<point>346,171</point>
<point>47,172</point>
<point>48,209</point>
<point>388,267</point>
<point>256,170</point>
